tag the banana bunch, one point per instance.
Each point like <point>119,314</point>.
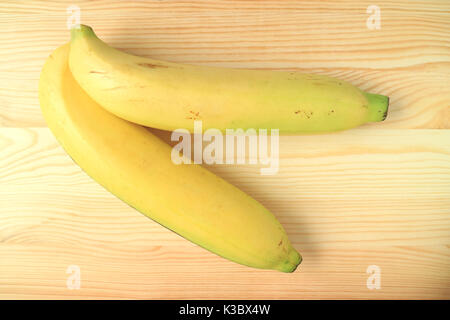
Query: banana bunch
<point>96,101</point>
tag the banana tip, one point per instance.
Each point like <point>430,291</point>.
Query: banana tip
<point>81,30</point>
<point>294,260</point>
<point>386,111</point>
<point>296,266</point>
<point>378,106</point>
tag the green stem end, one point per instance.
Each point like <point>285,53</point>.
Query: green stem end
<point>81,31</point>
<point>378,106</point>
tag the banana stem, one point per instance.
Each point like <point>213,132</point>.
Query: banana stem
<point>81,30</point>
<point>378,106</point>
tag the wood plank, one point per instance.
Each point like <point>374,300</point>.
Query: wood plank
<point>347,200</point>
<point>407,59</point>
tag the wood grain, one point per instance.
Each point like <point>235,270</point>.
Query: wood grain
<point>347,200</point>
<point>407,59</point>
<point>377,195</point>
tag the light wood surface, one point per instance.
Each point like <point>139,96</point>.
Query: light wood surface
<point>376,195</point>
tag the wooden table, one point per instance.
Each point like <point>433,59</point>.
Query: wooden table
<point>376,196</point>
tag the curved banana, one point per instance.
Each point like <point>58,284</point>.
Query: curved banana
<point>169,95</point>
<point>136,166</point>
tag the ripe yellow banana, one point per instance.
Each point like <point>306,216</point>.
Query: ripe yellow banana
<point>169,95</point>
<point>136,166</point>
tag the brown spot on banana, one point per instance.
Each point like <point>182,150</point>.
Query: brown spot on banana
<point>193,115</point>
<point>151,65</point>
<point>307,114</point>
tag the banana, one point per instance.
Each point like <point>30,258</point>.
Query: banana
<point>136,166</point>
<point>169,95</point>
